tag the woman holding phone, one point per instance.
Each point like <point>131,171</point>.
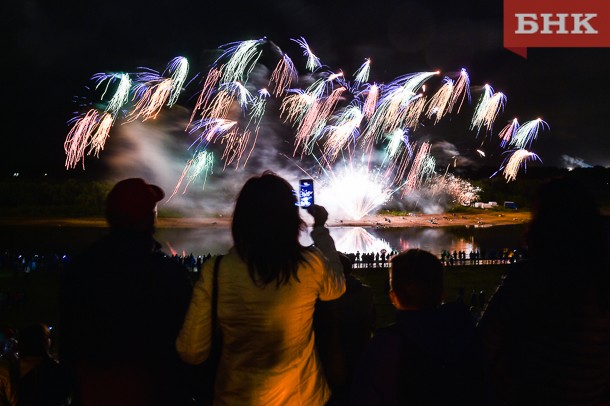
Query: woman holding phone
<point>268,284</point>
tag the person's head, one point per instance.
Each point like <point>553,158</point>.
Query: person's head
<point>266,227</point>
<point>34,340</point>
<point>132,205</point>
<point>416,280</point>
<point>566,220</point>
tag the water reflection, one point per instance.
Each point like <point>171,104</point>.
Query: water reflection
<point>352,239</point>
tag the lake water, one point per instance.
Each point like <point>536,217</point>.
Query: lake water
<point>217,240</point>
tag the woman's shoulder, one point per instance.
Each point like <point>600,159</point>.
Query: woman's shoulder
<point>313,255</point>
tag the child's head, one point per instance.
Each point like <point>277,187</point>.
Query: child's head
<point>416,280</point>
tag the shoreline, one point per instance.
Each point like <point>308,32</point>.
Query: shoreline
<point>483,219</point>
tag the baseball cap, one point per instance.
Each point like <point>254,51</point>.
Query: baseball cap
<point>131,201</point>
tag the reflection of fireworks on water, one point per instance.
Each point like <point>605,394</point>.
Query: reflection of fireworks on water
<point>334,118</point>
<point>358,239</point>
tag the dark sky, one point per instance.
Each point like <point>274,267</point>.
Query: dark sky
<point>51,49</point>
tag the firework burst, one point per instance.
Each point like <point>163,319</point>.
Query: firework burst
<point>313,62</point>
<point>515,161</point>
<point>527,133</point>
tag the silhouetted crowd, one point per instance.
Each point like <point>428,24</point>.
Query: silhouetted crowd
<point>272,322</point>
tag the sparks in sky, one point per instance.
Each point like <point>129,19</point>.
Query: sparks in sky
<point>211,80</point>
<point>335,121</point>
<point>242,57</point>
<point>201,165</point>
<point>362,74</point>
<point>508,132</point>
<point>178,69</point>
<point>79,137</point>
<point>461,90</point>
<point>527,133</point>
<point>313,62</point>
<point>517,158</point>
<point>488,108</point>
<point>283,75</point>
<point>153,95</point>
<point>355,189</point>
<point>420,169</point>
<point>121,94</point>
<point>101,134</point>
<point>370,103</point>
<point>438,105</point>
<point>345,131</point>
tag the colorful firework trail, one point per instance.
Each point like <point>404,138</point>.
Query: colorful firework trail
<point>515,161</point>
<point>527,133</point>
<point>337,122</point>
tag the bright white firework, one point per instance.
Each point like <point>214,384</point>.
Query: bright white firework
<point>339,136</point>
<point>414,81</point>
<point>488,108</point>
<point>121,94</point>
<point>242,59</point>
<point>438,105</point>
<point>355,190</point>
<point>461,90</point>
<point>101,134</point>
<point>527,133</point>
<point>312,125</point>
<point>517,158</point>
<point>396,140</point>
<point>178,69</point>
<point>210,130</point>
<point>362,74</point>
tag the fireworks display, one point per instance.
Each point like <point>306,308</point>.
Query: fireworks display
<point>360,140</point>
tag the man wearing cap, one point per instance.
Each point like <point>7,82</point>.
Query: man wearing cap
<point>122,303</point>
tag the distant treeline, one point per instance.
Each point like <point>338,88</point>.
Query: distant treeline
<point>522,190</point>
<point>44,197</point>
<point>61,198</point>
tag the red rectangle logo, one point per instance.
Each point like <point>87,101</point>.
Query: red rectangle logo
<point>555,23</point>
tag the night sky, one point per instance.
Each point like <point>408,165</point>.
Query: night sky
<point>51,49</point>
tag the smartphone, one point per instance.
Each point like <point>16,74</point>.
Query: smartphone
<point>305,193</point>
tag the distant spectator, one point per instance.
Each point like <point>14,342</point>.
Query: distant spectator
<point>121,307</point>
<point>431,355</point>
<point>547,328</point>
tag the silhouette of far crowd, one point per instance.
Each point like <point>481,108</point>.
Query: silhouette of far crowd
<point>272,322</point>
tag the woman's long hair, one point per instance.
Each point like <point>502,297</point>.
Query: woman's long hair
<point>266,227</point>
